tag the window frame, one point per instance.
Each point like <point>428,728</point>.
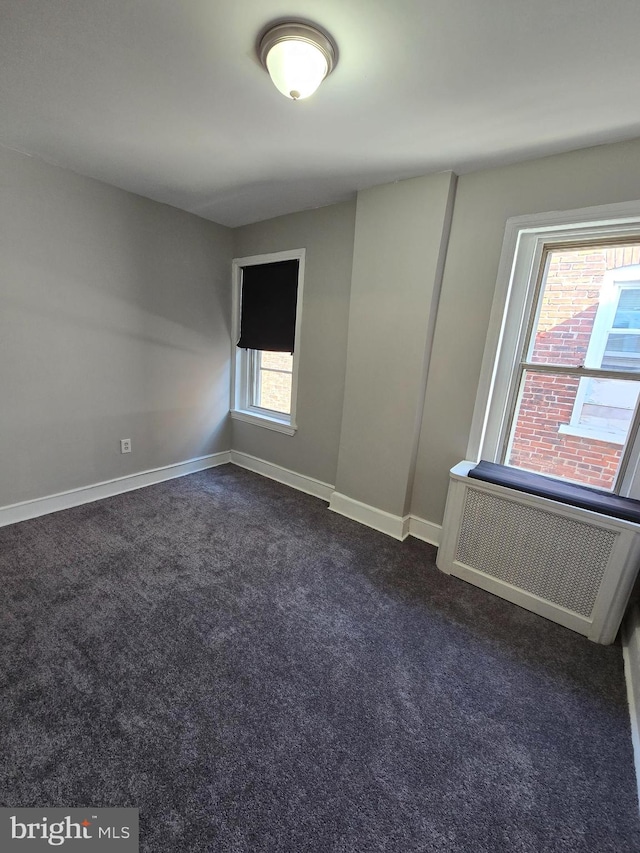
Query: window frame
<point>615,282</point>
<point>244,362</point>
<point>514,312</point>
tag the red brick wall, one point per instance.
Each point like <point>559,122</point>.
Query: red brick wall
<point>568,310</point>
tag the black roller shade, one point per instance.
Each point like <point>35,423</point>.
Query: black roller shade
<point>268,312</point>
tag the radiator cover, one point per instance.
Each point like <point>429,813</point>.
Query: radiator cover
<point>568,564</point>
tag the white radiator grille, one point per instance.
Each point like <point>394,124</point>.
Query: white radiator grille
<point>554,557</point>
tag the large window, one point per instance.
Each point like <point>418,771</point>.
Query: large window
<point>561,377</point>
<point>267,306</point>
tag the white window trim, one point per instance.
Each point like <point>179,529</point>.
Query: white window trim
<point>240,378</point>
<point>614,282</point>
<point>522,248</point>
<point>584,431</point>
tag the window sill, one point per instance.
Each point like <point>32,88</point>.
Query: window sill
<point>264,421</point>
<point>590,432</point>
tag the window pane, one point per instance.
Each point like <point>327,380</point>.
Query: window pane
<point>572,428</point>
<point>276,360</point>
<point>275,391</point>
<point>628,311</point>
<point>571,291</point>
<point>622,352</point>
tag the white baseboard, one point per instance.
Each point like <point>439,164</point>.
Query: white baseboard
<point>399,527</point>
<point>393,525</point>
<point>425,530</point>
<point>87,494</point>
<point>301,482</point>
<point>631,656</point>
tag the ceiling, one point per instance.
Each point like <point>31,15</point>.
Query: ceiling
<point>166,98</point>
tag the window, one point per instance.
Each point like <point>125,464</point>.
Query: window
<point>267,305</point>
<point>604,407</point>
<point>560,383</point>
<point>272,375</point>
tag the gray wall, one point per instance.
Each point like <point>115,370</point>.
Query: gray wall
<point>327,235</point>
<point>389,313</point>
<point>115,313</point>
<point>114,323</point>
<point>400,238</point>
<point>484,202</point>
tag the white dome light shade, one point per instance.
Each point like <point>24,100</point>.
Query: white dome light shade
<point>296,67</point>
<point>298,57</point>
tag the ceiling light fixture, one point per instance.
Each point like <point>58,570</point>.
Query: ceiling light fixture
<point>298,57</point>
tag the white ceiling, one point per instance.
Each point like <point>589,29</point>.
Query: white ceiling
<point>166,98</point>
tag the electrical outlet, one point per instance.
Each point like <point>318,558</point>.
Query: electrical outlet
<point>125,445</point>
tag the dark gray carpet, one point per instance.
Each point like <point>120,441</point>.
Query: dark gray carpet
<point>256,673</point>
